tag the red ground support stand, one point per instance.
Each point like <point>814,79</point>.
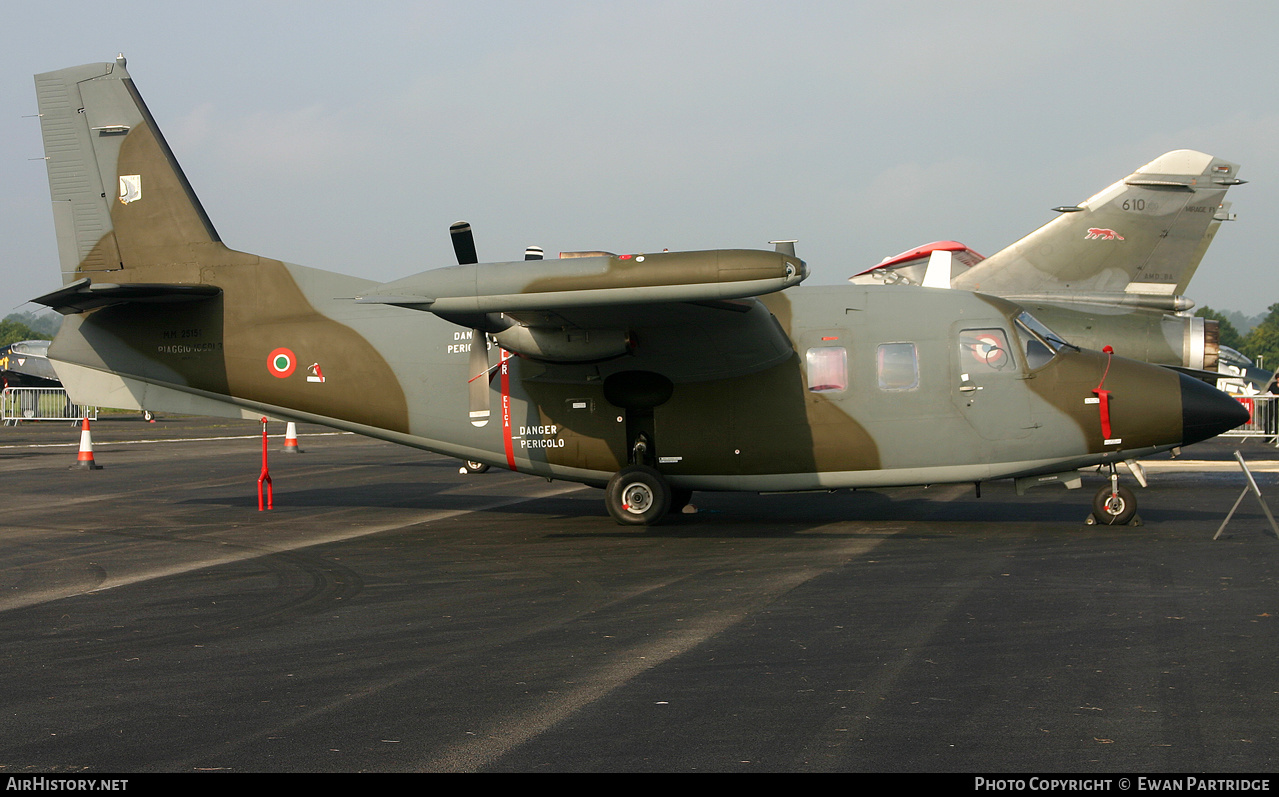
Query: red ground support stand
<point>265,477</point>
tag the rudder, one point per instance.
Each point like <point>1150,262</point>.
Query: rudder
<point>120,199</point>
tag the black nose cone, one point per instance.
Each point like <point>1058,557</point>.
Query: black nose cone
<point>1206,411</point>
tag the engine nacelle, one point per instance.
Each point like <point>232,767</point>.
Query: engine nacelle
<point>564,345</point>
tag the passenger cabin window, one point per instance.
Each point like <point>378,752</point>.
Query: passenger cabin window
<point>898,366</point>
<point>827,369</point>
<point>984,351</point>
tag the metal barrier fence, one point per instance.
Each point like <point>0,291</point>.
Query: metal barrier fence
<point>1263,414</point>
<point>41,404</point>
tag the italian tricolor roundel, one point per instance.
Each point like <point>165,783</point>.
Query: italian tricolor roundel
<point>281,362</point>
<point>990,351</point>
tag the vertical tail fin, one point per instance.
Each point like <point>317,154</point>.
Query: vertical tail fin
<point>120,200</point>
<point>1144,236</point>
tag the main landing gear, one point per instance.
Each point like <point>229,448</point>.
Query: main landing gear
<point>1114,504</point>
<point>638,495</point>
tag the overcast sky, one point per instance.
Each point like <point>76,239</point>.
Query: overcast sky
<point>349,136</point>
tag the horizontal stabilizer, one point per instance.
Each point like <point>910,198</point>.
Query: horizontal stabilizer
<point>84,295</point>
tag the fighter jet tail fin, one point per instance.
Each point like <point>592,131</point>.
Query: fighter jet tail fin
<point>1141,238</point>
<point>120,199</point>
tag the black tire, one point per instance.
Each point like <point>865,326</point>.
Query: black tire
<point>1114,510</point>
<point>637,496</point>
<point>475,467</point>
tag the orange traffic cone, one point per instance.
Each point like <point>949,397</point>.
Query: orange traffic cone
<point>85,458</point>
<point>291,439</point>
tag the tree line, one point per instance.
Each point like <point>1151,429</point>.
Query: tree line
<point>28,326</point>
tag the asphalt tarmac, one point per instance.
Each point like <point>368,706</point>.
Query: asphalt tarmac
<point>391,614</point>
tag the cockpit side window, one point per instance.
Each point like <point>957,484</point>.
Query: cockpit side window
<point>1041,343</point>
<point>1037,352</point>
<point>985,351</point>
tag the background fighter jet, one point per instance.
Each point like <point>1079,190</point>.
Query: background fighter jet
<point>651,375</point>
<point>26,364</point>
<point>1110,271</point>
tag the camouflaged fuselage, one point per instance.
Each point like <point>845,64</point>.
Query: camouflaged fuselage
<point>712,368</point>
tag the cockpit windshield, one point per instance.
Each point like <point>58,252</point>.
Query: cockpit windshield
<point>1040,342</point>
<point>1226,355</point>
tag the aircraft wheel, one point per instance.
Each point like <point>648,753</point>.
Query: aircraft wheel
<point>637,496</point>
<point>1115,509</point>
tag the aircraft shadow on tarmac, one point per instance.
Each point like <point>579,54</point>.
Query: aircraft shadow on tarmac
<point>718,514</point>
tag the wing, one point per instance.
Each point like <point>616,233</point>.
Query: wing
<point>691,314</point>
<point>910,266</point>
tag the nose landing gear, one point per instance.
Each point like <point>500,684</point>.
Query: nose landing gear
<point>1114,504</point>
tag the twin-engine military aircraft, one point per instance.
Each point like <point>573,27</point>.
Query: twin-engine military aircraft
<point>649,375</point>
<point>1110,271</point>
